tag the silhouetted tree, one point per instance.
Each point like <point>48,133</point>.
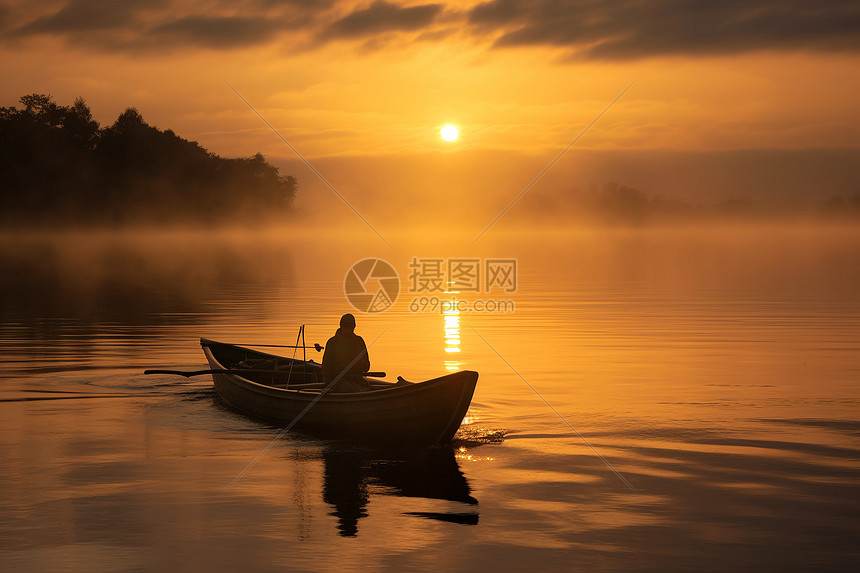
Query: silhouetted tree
<point>57,163</point>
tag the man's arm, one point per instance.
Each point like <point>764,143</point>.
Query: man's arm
<point>328,361</point>
<point>363,363</point>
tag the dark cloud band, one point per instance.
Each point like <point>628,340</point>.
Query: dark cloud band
<point>215,32</point>
<point>588,29</point>
<point>381,17</point>
<point>631,29</point>
<point>78,16</point>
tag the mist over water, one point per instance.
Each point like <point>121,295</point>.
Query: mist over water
<point>715,368</point>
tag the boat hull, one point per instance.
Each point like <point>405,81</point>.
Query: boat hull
<point>423,413</point>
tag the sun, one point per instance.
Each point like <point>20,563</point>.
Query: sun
<point>449,133</point>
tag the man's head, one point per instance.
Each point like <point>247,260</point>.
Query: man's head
<point>347,323</point>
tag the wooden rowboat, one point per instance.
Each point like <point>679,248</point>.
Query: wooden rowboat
<point>279,389</point>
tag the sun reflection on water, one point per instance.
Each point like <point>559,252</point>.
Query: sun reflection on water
<point>451,316</point>
<point>463,454</point>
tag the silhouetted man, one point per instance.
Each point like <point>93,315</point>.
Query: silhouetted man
<point>346,353</point>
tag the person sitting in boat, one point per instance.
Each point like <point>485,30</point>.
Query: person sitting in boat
<point>346,353</point>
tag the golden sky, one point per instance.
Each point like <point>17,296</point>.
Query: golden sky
<point>520,79</point>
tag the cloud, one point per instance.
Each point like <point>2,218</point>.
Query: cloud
<point>588,29</point>
<point>87,15</point>
<point>153,25</point>
<point>381,17</point>
<point>632,29</point>
<point>217,32</point>
<point>149,25</point>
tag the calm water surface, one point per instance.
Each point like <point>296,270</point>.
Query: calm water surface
<point>715,370</point>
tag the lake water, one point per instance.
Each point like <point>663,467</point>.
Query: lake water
<point>682,399</point>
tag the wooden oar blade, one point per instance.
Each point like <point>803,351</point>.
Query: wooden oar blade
<point>176,372</point>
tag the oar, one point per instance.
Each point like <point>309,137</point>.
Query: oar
<point>241,371</point>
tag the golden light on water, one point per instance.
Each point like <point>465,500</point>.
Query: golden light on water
<point>451,316</point>
<point>449,133</point>
<point>463,454</point>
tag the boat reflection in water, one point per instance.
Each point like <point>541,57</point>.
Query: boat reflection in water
<point>351,476</point>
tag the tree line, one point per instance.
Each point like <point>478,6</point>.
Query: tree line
<point>617,204</point>
<point>58,165</point>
